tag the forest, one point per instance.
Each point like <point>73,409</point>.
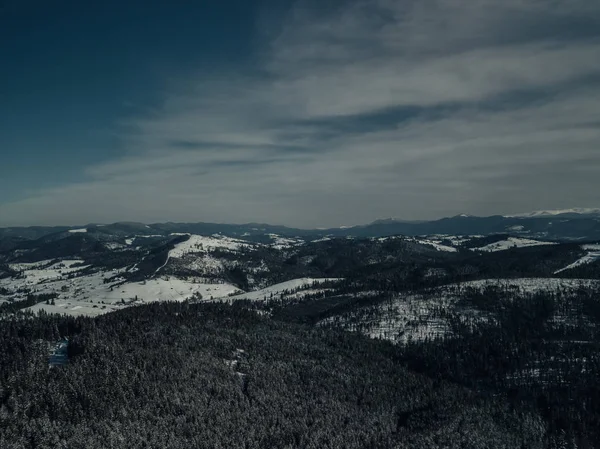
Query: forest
<point>180,375</point>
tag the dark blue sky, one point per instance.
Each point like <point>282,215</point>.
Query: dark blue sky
<point>245,111</point>
<point>71,69</point>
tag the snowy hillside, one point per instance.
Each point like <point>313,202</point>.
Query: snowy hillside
<point>288,288</point>
<point>419,316</point>
<point>199,243</point>
<point>554,212</point>
<point>593,255</point>
<point>512,242</point>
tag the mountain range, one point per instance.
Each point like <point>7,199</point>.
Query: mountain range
<point>556,225</point>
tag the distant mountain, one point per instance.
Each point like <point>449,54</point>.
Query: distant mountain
<point>566,224</point>
<point>556,212</point>
<point>557,227</point>
<point>387,221</point>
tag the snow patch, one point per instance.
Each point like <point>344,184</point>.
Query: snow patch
<point>438,246</point>
<point>199,243</point>
<point>512,242</point>
<point>592,256</point>
<point>549,213</point>
<point>277,289</point>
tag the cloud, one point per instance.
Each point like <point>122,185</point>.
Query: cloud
<point>377,108</point>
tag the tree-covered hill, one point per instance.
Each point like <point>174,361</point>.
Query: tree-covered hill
<point>215,376</point>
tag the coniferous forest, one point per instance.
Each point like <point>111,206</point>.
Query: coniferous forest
<point>209,376</point>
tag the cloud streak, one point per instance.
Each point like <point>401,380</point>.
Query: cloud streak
<point>411,109</point>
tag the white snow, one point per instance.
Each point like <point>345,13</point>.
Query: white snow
<point>91,295</point>
<point>82,308</point>
<point>82,230</point>
<point>438,246</point>
<point>408,317</point>
<point>283,242</point>
<point>525,285</point>
<point>98,298</point>
<point>546,213</point>
<point>435,243</point>
<point>592,256</point>
<point>162,266</point>
<point>591,247</point>
<point>277,289</point>
<point>512,242</point>
<point>324,239</point>
<point>163,289</point>
<point>199,243</point>
<point>416,316</point>
<point>44,271</point>
<point>113,245</point>
<point>457,240</point>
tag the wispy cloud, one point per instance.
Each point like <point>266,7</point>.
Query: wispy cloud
<point>378,108</point>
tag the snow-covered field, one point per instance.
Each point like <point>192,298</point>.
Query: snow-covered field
<point>93,298</point>
<point>43,272</point>
<point>512,242</point>
<point>90,293</point>
<point>291,287</point>
<point>437,245</point>
<point>283,242</point>
<point>76,308</point>
<point>434,241</point>
<point>82,290</point>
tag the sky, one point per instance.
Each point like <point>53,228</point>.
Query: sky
<point>304,113</point>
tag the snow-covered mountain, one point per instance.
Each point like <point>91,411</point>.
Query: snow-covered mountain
<point>555,212</point>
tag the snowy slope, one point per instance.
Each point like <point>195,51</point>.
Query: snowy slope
<point>550,213</point>
<point>408,317</point>
<point>93,298</point>
<point>44,271</point>
<point>512,242</point>
<point>277,289</point>
<point>82,291</point>
<point>416,317</point>
<point>438,246</point>
<point>593,254</point>
<point>283,242</point>
<point>199,243</point>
